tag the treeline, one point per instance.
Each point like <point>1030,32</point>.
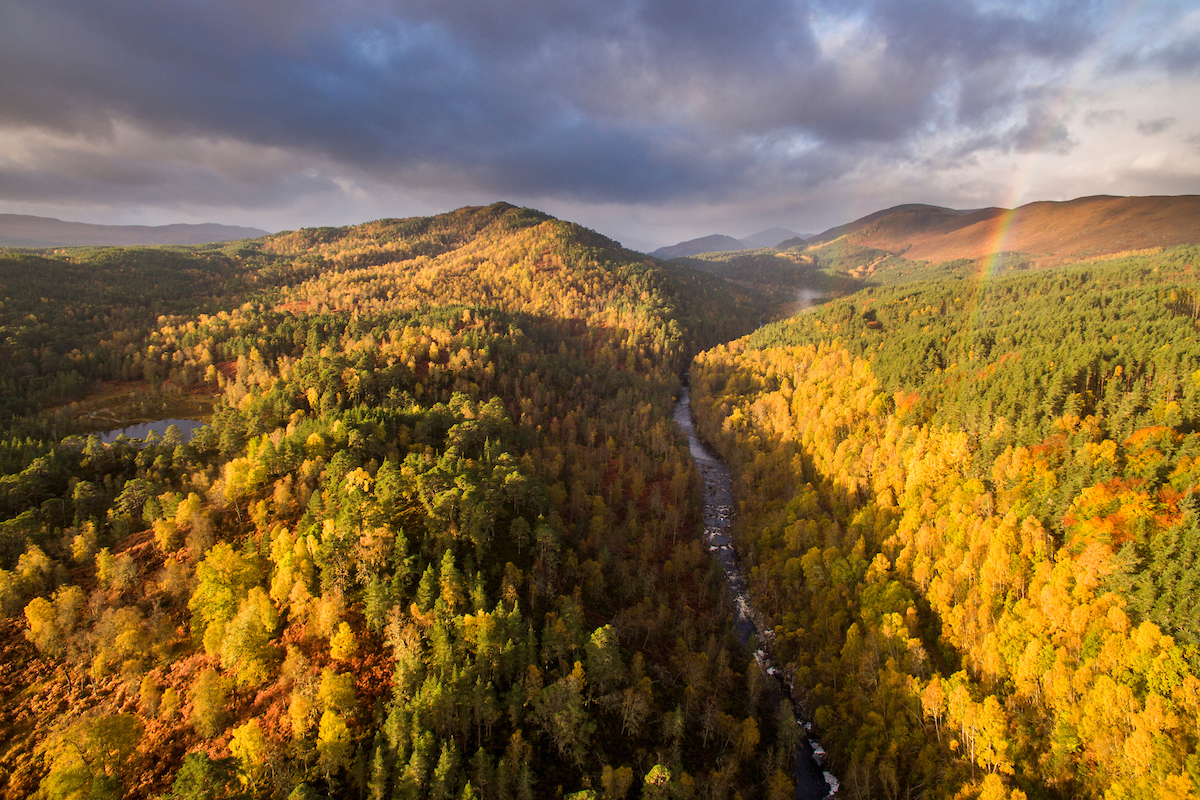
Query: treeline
<point>438,541</point>
<point>970,510</point>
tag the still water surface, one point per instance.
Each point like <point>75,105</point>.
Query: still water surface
<point>140,431</point>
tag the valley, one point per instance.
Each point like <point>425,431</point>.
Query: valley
<point>450,531</point>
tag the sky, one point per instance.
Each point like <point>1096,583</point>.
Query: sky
<point>651,121</point>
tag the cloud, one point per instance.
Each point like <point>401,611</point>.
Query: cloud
<point>1151,127</point>
<point>1043,130</point>
<point>1102,116</point>
<point>642,103</point>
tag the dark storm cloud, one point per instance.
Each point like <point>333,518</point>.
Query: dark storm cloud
<point>631,100</point>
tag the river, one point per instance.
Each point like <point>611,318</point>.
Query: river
<point>812,781</point>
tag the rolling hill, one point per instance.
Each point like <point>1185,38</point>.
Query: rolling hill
<point>435,541</point>
<point>1047,231</point>
<point>899,224</point>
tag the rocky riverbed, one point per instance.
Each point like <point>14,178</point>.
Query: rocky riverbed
<point>813,781</point>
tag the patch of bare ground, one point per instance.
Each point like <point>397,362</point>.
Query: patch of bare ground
<point>31,693</point>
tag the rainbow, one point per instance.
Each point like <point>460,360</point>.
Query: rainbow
<point>1051,122</point>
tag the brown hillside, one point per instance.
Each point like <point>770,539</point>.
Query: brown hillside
<point>901,225</point>
<point>1088,226</point>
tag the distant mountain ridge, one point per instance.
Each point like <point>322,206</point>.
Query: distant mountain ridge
<point>23,230</point>
<point>715,243</point>
<point>1084,227</point>
<point>720,243</point>
<point>771,237</point>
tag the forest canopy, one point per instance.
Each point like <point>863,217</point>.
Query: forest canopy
<point>435,541</point>
<point>970,503</point>
<point>440,535</point>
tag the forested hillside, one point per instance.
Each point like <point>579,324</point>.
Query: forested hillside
<point>438,540</point>
<point>440,536</point>
<point>72,317</point>
<point>970,509</point>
